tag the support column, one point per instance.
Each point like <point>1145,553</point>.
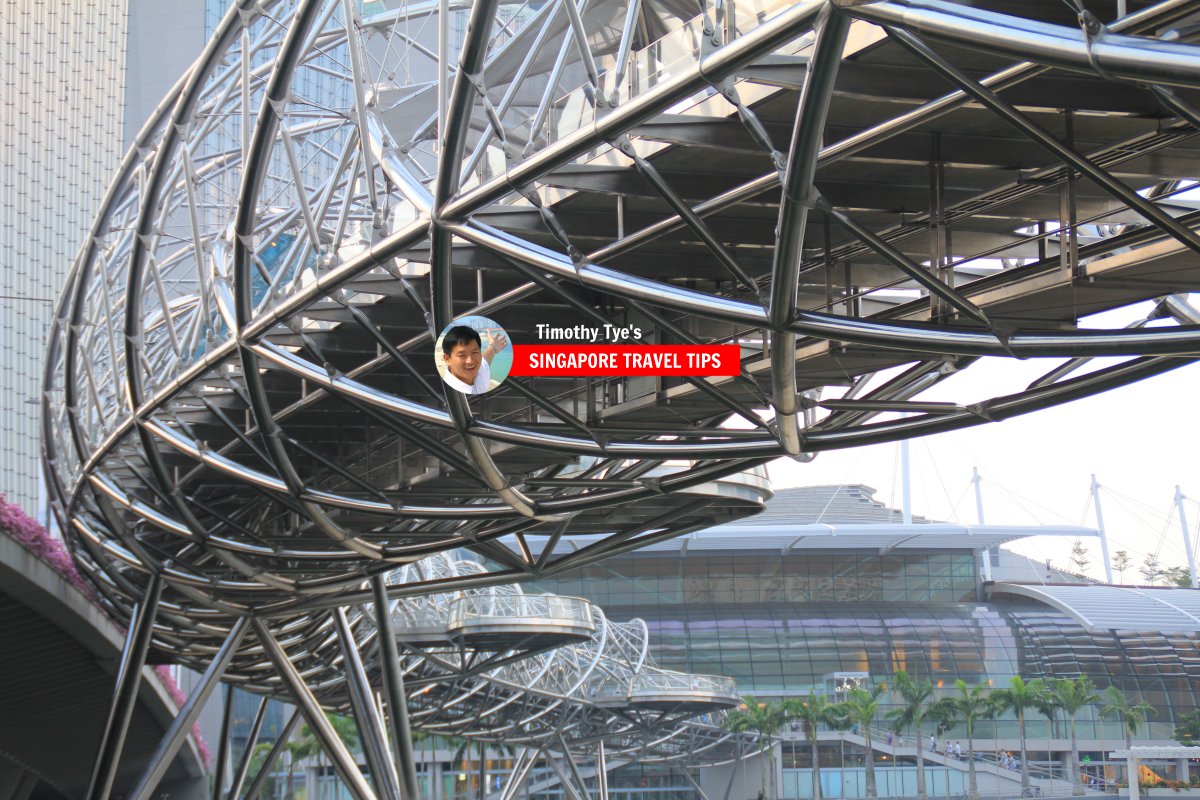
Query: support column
<point>133,658</point>
<point>243,767</point>
<point>695,784</point>
<point>570,759</point>
<point>1068,211</point>
<point>268,763</point>
<point>602,772</point>
<point>443,51</point>
<point>522,766</point>
<point>393,693</point>
<point>1134,791</point>
<point>223,747</point>
<point>905,483</point>
<point>314,715</point>
<point>186,717</point>
<point>366,715</point>
<point>569,790</point>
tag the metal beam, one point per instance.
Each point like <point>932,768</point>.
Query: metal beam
<point>366,713</point>
<point>268,763</point>
<point>1003,109</point>
<point>223,746</point>
<point>181,727</point>
<point>243,767</point>
<point>343,762</point>
<point>393,690</point>
<point>129,674</point>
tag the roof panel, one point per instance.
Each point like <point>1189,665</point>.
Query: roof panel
<point>1099,607</point>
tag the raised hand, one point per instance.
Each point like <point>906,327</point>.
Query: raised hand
<point>497,340</point>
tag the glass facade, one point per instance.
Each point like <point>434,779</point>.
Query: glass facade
<point>790,648</point>
<point>780,625</point>
<point>61,103</point>
<point>807,577</point>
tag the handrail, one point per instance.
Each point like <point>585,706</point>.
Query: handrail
<point>542,607</point>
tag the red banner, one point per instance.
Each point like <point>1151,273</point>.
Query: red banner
<point>584,360</point>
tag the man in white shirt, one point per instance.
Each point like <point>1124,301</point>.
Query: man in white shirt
<point>468,364</point>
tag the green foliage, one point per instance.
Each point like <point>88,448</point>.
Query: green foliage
<point>1187,729</point>
<point>1021,696</point>
<point>1151,570</point>
<point>971,704</point>
<point>968,706</point>
<point>1121,562</point>
<point>1178,576</point>
<point>915,702</point>
<point>1079,556</point>
<point>1131,716</point>
<point>861,706</point>
<point>812,712</point>
<point>1072,694</point>
<point>763,719</point>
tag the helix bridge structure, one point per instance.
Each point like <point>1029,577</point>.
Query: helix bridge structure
<point>246,440</point>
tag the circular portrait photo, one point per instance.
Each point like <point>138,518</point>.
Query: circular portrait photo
<point>473,355</point>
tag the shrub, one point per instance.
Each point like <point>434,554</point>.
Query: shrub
<point>28,532</point>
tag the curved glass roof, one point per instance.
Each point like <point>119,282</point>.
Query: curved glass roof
<point>1100,607</point>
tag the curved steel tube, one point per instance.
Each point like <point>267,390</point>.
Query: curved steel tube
<point>239,395</point>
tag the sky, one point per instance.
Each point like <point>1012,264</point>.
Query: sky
<point>1140,441</point>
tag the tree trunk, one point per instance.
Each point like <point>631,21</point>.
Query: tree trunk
<point>972,783</point>
<point>816,767</point>
<point>435,773</point>
<point>1076,778</point>
<point>921,793</point>
<point>1024,757</point>
<point>482,771</point>
<point>774,790</point>
<point>870,763</point>
<point>290,785</point>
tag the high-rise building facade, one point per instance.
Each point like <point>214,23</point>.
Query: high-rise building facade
<point>61,108</point>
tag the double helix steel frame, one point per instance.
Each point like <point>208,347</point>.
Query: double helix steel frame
<point>243,427</point>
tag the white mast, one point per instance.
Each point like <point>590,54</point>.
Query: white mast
<point>986,553</point>
<point>1100,527</point>
<point>1187,539</point>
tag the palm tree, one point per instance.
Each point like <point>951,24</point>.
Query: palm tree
<point>461,756</point>
<point>910,715</point>
<point>1132,717</point>
<point>861,708</point>
<point>307,744</point>
<point>1070,695</point>
<point>967,707</point>
<point>812,712</point>
<point>764,720</point>
<point>1021,696</point>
